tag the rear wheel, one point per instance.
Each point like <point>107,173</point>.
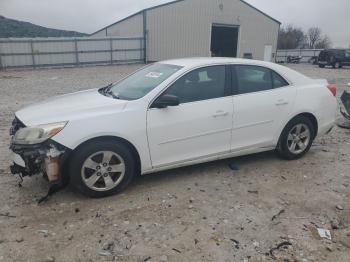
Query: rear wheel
<point>321,66</point>
<point>296,138</point>
<point>102,168</point>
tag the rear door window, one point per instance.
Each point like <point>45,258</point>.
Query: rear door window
<point>251,79</point>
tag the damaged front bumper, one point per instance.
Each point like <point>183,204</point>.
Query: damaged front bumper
<point>47,158</point>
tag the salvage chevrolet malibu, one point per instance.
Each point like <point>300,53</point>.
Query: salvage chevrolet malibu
<point>167,115</point>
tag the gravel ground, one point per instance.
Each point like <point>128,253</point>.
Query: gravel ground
<point>267,210</point>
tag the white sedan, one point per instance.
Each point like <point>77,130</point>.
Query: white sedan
<point>167,115</point>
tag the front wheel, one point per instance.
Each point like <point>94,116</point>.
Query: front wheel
<point>102,168</point>
<point>296,138</point>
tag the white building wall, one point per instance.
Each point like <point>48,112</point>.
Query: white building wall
<point>101,33</point>
<point>257,30</point>
<point>130,27</point>
<point>184,29</point>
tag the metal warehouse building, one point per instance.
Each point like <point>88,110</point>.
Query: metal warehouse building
<point>187,28</point>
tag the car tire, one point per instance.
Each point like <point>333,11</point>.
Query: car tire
<point>296,138</point>
<point>337,65</point>
<point>102,168</point>
<point>321,66</point>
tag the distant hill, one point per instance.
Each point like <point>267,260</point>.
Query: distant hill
<point>14,28</point>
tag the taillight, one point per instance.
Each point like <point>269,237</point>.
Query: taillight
<point>333,89</point>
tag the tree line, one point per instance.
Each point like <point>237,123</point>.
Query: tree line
<point>14,28</point>
<point>291,37</point>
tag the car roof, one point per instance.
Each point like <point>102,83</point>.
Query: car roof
<point>206,61</point>
<point>202,61</point>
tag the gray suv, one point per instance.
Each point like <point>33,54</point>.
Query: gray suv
<point>337,58</point>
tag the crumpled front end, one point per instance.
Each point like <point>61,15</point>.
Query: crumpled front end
<point>46,158</point>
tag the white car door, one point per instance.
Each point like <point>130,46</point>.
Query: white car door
<point>262,103</point>
<point>200,125</point>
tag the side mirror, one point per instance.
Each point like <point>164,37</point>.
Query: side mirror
<point>165,101</point>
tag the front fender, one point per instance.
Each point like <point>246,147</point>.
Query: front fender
<point>128,125</point>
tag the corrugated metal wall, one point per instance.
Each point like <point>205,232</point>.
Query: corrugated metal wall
<point>43,52</point>
<point>183,29</point>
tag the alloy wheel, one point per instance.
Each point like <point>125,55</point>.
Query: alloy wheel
<point>103,171</point>
<point>298,139</point>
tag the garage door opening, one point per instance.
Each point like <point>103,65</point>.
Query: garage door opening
<point>224,40</point>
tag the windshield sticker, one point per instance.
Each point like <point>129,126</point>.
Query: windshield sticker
<point>154,74</point>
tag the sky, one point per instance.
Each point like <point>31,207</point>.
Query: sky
<point>88,16</point>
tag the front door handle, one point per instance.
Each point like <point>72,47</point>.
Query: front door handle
<point>220,114</point>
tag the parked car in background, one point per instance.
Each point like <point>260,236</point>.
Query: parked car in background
<point>171,114</point>
<point>313,60</point>
<point>337,58</point>
<point>294,59</point>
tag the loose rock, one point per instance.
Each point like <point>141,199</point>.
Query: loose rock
<point>164,258</point>
<point>335,224</point>
<point>44,232</point>
<point>234,167</point>
<point>19,240</point>
<point>104,253</point>
<point>50,259</point>
<point>339,207</point>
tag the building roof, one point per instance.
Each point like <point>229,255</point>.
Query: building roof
<point>176,1</point>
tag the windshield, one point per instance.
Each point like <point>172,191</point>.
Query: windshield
<point>143,81</point>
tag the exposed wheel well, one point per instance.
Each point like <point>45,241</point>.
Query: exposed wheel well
<point>312,118</point>
<point>116,140</point>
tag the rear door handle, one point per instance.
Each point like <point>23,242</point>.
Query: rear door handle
<point>220,114</point>
<point>282,102</point>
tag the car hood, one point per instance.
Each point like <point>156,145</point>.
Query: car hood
<point>69,107</point>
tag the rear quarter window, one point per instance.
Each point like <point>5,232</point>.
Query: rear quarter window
<point>278,81</point>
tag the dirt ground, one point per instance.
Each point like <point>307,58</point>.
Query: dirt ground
<point>267,210</point>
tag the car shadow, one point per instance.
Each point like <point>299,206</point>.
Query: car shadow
<point>196,171</point>
<point>188,175</point>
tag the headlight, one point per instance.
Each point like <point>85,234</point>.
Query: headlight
<point>37,134</point>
